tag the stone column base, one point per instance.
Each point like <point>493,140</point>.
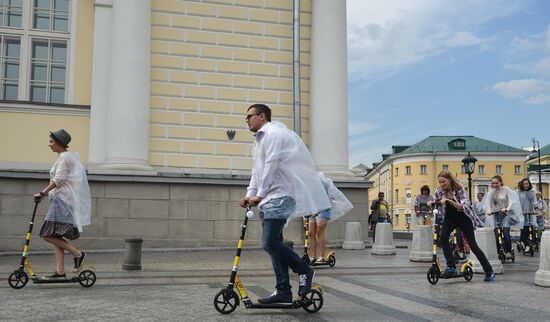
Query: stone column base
<point>420,256</point>
<point>353,245</point>
<point>383,250</point>
<point>496,264</point>
<point>542,278</point>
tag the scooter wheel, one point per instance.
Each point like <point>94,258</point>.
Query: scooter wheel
<point>313,301</point>
<point>468,273</point>
<point>87,278</point>
<point>18,279</point>
<point>433,275</point>
<point>331,260</point>
<point>226,301</point>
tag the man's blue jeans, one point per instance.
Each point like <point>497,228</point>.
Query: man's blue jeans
<point>282,257</point>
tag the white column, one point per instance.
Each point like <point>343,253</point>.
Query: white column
<point>329,87</point>
<point>127,139</point>
<point>100,82</point>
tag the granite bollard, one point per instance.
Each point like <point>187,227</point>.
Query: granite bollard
<point>353,239</point>
<point>383,240</point>
<point>422,244</point>
<point>485,238</point>
<point>132,254</point>
<point>542,276</point>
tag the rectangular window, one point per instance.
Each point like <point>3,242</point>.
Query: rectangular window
<point>396,220</point>
<point>48,61</point>
<point>11,12</point>
<point>445,167</point>
<point>481,169</point>
<point>396,195</point>
<point>51,15</point>
<point>517,169</point>
<point>396,172</point>
<point>423,169</point>
<point>498,169</point>
<point>408,170</point>
<point>9,61</point>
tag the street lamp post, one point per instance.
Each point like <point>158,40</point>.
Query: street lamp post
<point>536,148</point>
<point>469,165</point>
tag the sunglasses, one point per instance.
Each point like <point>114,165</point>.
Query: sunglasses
<point>250,116</point>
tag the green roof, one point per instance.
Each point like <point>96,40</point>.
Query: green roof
<point>545,150</point>
<point>470,144</point>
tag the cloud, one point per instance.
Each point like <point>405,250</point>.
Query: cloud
<point>359,128</point>
<point>531,91</point>
<point>387,37</point>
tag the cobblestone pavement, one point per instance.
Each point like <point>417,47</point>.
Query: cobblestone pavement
<point>180,286</point>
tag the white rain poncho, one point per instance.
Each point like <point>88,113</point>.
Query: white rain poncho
<point>71,191</point>
<point>340,205</point>
<point>514,213</point>
<point>283,167</point>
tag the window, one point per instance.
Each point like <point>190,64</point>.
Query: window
<point>481,169</point>
<point>396,195</point>
<point>408,170</point>
<point>396,172</point>
<point>9,57</point>
<point>445,167</point>
<point>498,169</point>
<point>517,169</point>
<point>11,12</point>
<point>423,169</point>
<point>396,220</point>
<point>34,58</point>
<point>408,195</point>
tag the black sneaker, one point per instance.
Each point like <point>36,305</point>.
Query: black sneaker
<point>305,282</point>
<point>276,297</point>
<point>56,275</point>
<point>78,261</point>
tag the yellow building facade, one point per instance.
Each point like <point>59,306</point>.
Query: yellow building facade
<point>400,175</point>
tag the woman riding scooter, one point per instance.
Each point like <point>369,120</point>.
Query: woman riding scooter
<point>456,211</point>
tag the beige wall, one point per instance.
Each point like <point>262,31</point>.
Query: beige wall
<point>210,61</point>
<point>84,50</point>
<point>25,138</point>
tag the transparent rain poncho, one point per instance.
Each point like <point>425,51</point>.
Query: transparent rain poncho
<point>71,197</point>
<point>340,205</point>
<point>514,213</point>
<point>296,176</point>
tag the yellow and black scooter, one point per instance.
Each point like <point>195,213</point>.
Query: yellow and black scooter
<point>20,277</point>
<point>436,271</point>
<point>500,243</point>
<point>330,257</point>
<point>227,300</point>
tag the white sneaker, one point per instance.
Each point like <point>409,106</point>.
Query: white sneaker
<point>508,255</point>
<point>320,260</point>
<point>528,249</point>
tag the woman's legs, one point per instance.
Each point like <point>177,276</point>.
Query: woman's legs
<point>60,245</point>
<point>311,237</point>
<point>468,232</point>
<point>321,239</point>
<point>446,230</point>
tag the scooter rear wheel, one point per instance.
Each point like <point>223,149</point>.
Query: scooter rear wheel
<point>87,278</point>
<point>18,279</point>
<point>331,260</point>
<point>313,301</point>
<point>468,273</point>
<point>226,301</point>
<point>433,275</point>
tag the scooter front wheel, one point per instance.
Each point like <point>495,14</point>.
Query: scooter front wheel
<point>226,301</point>
<point>433,275</point>
<point>313,301</point>
<point>87,278</point>
<point>18,279</point>
<point>468,273</point>
<point>331,260</point>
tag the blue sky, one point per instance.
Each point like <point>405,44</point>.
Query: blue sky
<point>447,67</point>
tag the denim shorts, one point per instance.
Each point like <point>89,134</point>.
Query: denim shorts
<point>279,208</point>
<point>324,214</point>
<point>503,219</point>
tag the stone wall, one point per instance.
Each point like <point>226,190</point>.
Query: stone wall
<point>165,212</point>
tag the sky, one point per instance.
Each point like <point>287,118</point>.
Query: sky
<point>444,67</point>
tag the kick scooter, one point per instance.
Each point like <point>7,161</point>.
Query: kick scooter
<point>330,258</point>
<point>436,271</point>
<point>227,300</point>
<point>500,243</point>
<point>20,277</point>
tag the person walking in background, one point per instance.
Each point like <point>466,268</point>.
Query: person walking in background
<point>541,208</point>
<point>70,203</point>
<point>527,199</point>
<point>379,212</point>
<point>478,209</point>
<point>456,211</point>
<point>424,214</point>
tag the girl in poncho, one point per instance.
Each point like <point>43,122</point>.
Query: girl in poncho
<point>70,203</point>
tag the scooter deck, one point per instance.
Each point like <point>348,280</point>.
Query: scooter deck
<point>293,305</point>
<point>56,280</point>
